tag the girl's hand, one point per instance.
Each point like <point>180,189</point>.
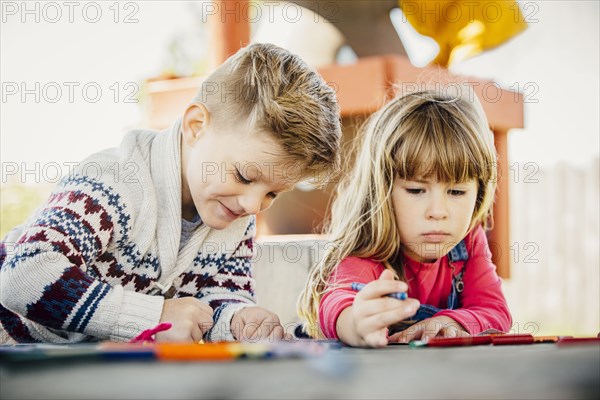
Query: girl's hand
<point>256,323</point>
<point>191,319</point>
<point>441,326</point>
<point>372,312</point>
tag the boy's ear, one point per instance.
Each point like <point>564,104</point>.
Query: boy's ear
<point>195,122</point>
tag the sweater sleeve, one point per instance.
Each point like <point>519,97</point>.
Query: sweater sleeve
<point>232,287</point>
<point>483,305</point>
<point>44,276</point>
<point>339,296</point>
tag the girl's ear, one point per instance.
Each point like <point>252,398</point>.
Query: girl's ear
<point>195,122</point>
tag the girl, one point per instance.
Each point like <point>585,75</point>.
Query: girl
<point>409,217</point>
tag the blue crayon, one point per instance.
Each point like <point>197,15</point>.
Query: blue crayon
<point>397,295</point>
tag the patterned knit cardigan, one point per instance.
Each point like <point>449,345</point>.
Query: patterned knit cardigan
<point>96,260</point>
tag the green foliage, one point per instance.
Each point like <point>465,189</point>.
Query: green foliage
<point>18,202</point>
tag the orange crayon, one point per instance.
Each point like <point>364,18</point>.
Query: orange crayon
<point>193,351</point>
<point>220,351</point>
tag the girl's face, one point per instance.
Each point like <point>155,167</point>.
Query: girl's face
<point>432,217</point>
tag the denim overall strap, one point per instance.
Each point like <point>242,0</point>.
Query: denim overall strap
<point>458,253</point>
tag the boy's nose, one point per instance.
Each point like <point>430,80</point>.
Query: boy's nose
<point>255,203</point>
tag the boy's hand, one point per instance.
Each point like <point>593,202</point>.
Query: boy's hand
<point>441,326</point>
<point>256,323</point>
<point>373,312</point>
<point>190,317</point>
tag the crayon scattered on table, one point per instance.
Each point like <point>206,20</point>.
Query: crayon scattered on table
<point>460,341</point>
<point>504,340</point>
<point>547,339</point>
<point>357,287</point>
<point>571,341</point>
<point>512,339</point>
<point>219,351</point>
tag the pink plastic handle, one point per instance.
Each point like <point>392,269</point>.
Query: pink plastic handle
<point>148,334</point>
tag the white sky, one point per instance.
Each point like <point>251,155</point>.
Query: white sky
<point>559,57</point>
<point>558,54</point>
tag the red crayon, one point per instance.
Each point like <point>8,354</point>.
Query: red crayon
<point>511,339</point>
<point>568,341</point>
<point>460,341</point>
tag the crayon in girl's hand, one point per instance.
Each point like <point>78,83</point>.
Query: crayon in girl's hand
<point>396,295</point>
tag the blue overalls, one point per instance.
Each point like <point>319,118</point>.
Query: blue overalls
<point>458,253</point>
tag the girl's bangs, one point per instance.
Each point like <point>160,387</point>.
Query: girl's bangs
<point>440,153</point>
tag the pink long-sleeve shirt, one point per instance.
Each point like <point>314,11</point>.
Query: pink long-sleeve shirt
<point>483,305</point>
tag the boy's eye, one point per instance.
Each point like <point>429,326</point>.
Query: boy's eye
<point>456,192</point>
<point>240,178</point>
<point>414,190</point>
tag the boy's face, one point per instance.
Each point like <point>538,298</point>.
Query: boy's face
<point>231,172</point>
<point>432,217</point>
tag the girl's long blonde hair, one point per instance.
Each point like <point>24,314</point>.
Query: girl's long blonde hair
<point>423,134</point>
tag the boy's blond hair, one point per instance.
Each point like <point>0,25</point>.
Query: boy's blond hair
<point>273,90</point>
<point>427,134</point>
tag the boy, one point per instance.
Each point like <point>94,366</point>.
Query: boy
<point>161,229</point>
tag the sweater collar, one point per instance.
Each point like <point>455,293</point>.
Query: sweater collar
<point>165,166</point>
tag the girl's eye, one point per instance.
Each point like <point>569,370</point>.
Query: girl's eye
<point>456,192</point>
<point>240,178</point>
<point>414,191</point>
<point>272,195</point>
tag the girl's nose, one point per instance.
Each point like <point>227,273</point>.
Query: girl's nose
<point>437,209</point>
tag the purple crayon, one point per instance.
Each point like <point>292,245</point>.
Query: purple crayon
<point>397,295</point>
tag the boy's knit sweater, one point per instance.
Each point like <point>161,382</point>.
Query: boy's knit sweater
<point>90,262</point>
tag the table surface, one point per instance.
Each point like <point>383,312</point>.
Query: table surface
<point>542,371</point>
